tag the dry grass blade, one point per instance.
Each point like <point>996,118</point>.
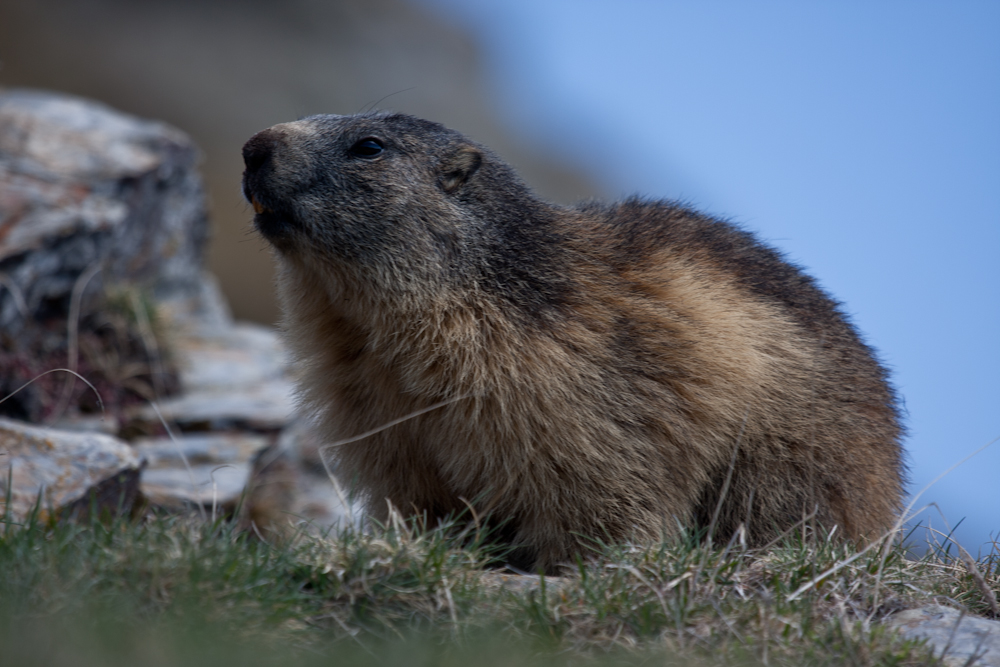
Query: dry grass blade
<point>100,401</point>
<point>180,452</point>
<point>908,513</point>
<point>729,478</point>
<point>973,569</point>
<point>826,573</point>
<point>659,596</point>
<point>977,576</point>
<point>387,425</point>
<point>73,333</point>
<point>15,292</point>
<point>338,489</point>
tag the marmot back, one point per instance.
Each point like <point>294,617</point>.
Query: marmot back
<point>609,365</point>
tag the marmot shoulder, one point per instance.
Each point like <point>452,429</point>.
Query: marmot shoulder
<point>609,366</point>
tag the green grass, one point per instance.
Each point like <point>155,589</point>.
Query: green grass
<point>177,591</point>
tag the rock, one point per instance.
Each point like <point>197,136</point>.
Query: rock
<point>240,356</point>
<point>233,376</point>
<point>77,423</point>
<point>959,640</point>
<point>520,584</point>
<point>82,186</point>
<point>68,470</point>
<point>85,187</point>
<point>200,313</point>
<point>205,469</point>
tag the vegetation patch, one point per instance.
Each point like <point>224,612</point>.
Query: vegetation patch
<point>115,338</point>
<point>175,590</point>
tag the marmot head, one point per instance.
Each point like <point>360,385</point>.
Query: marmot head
<point>380,197</point>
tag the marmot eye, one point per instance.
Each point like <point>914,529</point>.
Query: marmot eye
<point>368,147</point>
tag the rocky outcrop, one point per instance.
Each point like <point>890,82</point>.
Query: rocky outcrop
<point>84,187</point>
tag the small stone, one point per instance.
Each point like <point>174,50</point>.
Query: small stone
<point>203,469</point>
<point>957,639</point>
<point>65,469</point>
<point>520,583</point>
<point>271,494</point>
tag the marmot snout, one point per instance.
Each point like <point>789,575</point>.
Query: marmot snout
<point>611,361</point>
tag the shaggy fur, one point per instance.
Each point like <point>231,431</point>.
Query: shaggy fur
<point>617,361</point>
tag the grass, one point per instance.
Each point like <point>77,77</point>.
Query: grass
<point>170,590</point>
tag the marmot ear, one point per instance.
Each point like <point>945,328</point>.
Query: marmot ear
<point>460,167</point>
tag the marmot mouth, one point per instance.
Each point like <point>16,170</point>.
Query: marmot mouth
<point>258,208</point>
<point>274,225</point>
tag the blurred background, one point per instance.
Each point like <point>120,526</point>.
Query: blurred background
<point>860,138</point>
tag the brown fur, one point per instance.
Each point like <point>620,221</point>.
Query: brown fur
<point>614,359</point>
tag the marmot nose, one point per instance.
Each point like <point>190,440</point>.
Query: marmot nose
<point>258,150</point>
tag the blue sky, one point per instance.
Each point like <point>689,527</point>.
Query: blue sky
<point>861,138</point>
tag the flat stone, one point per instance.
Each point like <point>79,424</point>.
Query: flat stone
<point>207,485</point>
<point>204,469</point>
<point>239,355</point>
<point>77,423</point>
<point>234,377</point>
<point>959,640</point>
<point>209,448</point>
<point>520,583</point>
<point>261,407</point>
<point>64,469</point>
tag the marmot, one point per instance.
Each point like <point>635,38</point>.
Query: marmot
<point>617,370</point>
